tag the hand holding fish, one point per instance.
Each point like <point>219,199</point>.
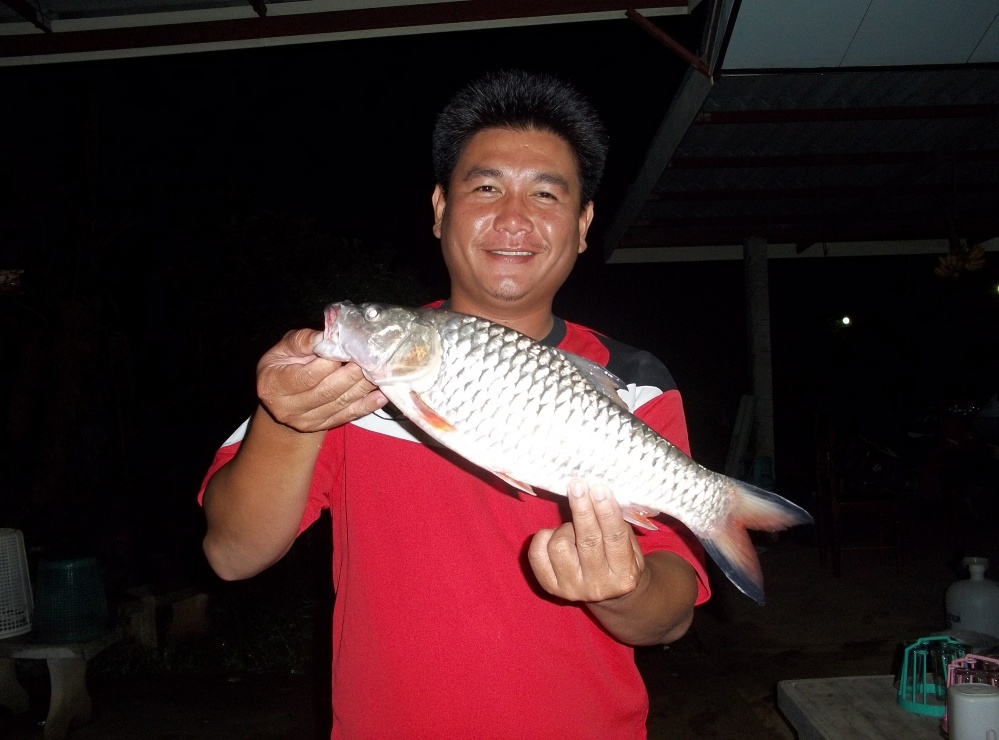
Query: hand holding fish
<point>308,393</point>
<point>594,557</point>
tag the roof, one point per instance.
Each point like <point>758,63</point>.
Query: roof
<point>42,31</point>
<point>857,127</point>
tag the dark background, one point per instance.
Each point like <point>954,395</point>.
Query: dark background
<point>175,215</point>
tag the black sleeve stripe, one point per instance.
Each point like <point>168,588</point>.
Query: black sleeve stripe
<point>636,366</point>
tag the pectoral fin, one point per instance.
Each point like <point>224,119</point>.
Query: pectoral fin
<point>429,415</point>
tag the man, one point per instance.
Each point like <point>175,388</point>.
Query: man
<point>464,608</point>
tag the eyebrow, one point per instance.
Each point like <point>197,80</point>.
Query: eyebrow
<point>546,178</point>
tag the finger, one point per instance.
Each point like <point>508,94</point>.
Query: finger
<point>541,564</point>
<point>295,347</point>
<point>615,533</point>
<point>339,412</point>
<point>589,537</point>
<point>344,384</point>
<point>341,397</point>
<point>304,341</point>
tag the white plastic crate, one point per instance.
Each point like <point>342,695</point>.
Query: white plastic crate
<point>16,602</point>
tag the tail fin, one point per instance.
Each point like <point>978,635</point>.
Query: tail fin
<point>730,545</point>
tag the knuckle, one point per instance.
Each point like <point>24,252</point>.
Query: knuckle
<point>616,537</point>
<point>560,547</point>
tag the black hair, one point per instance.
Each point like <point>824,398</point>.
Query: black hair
<point>522,101</point>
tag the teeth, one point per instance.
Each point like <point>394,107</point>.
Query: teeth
<point>512,254</point>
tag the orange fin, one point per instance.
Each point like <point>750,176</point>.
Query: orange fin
<point>639,516</point>
<point>729,544</point>
<point>429,415</point>
<point>526,488</point>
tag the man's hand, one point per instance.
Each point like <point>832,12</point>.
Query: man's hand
<point>309,393</point>
<point>594,557</point>
<point>254,505</point>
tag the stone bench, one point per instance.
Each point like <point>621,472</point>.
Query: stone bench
<point>70,704</point>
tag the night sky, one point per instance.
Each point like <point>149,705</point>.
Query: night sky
<point>174,215</point>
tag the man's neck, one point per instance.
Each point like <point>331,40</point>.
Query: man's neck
<point>535,323</point>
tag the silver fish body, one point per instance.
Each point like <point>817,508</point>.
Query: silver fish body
<point>539,417</point>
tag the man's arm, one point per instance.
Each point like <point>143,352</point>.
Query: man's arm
<point>255,503</point>
<point>596,559</point>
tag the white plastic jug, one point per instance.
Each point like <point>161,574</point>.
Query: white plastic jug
<point>973,604</point>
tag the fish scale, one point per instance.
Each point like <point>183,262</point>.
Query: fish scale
<point>540,417</point>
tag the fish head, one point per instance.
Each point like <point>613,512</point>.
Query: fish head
<point>391,344</point>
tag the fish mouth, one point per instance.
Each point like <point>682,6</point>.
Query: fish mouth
<point>332,314</point>
<point>332,329</point>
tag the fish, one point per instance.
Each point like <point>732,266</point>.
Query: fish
<point>538,417</point>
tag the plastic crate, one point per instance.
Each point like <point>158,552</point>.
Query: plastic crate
<point>922,685</point>
<point>16,603</point>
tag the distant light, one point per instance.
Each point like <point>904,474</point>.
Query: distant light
<point>845,321</point>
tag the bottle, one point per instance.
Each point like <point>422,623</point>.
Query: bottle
<point>973,604</point>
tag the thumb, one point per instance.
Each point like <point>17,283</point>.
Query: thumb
<point>302,341</point>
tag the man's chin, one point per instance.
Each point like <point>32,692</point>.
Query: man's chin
<point>508,294</point>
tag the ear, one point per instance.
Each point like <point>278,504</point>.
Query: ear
<point>438,201</point>
<point>585,219</point>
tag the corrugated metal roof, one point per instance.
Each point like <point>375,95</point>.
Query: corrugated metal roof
<point>807,155</point>
<point>42,31</point>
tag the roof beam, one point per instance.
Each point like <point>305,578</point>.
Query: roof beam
<point>826,160</point>
<point>693,91</point>
<point>828,115</point>
<point>668,41</point>
<point>854,191</point>
<point>30,13</point>
<point>160,33</point>
<point>810,230</point>
<point>734,250</point>
<point>754,223</point>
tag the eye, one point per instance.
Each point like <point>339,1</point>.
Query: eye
<point>371,313</point>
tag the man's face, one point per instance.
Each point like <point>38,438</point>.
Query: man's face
<point>511,225</point>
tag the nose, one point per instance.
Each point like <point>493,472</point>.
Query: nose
<point>513,216</point>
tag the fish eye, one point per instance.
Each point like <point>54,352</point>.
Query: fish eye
<point>371,313</point>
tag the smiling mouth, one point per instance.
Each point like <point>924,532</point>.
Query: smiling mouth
<point>511,252</point>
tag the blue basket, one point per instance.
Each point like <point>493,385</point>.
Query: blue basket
<point>70,605</point>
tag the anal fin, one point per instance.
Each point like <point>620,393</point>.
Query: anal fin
<point>639,516</point>
<point>525,487</point>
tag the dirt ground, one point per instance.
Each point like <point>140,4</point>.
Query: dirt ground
<point>719,681</point>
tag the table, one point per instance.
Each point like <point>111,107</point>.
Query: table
<point>67,663</point>
<point>855,707</point>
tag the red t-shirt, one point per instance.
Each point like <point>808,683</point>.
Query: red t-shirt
<point>440,629</point>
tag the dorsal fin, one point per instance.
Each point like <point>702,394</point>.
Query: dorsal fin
<point>600,377</point>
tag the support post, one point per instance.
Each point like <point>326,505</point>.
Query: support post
<point>760,361</point>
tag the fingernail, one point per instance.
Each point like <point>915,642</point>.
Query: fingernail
<point>576,490</point>
<point>598,493</point>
